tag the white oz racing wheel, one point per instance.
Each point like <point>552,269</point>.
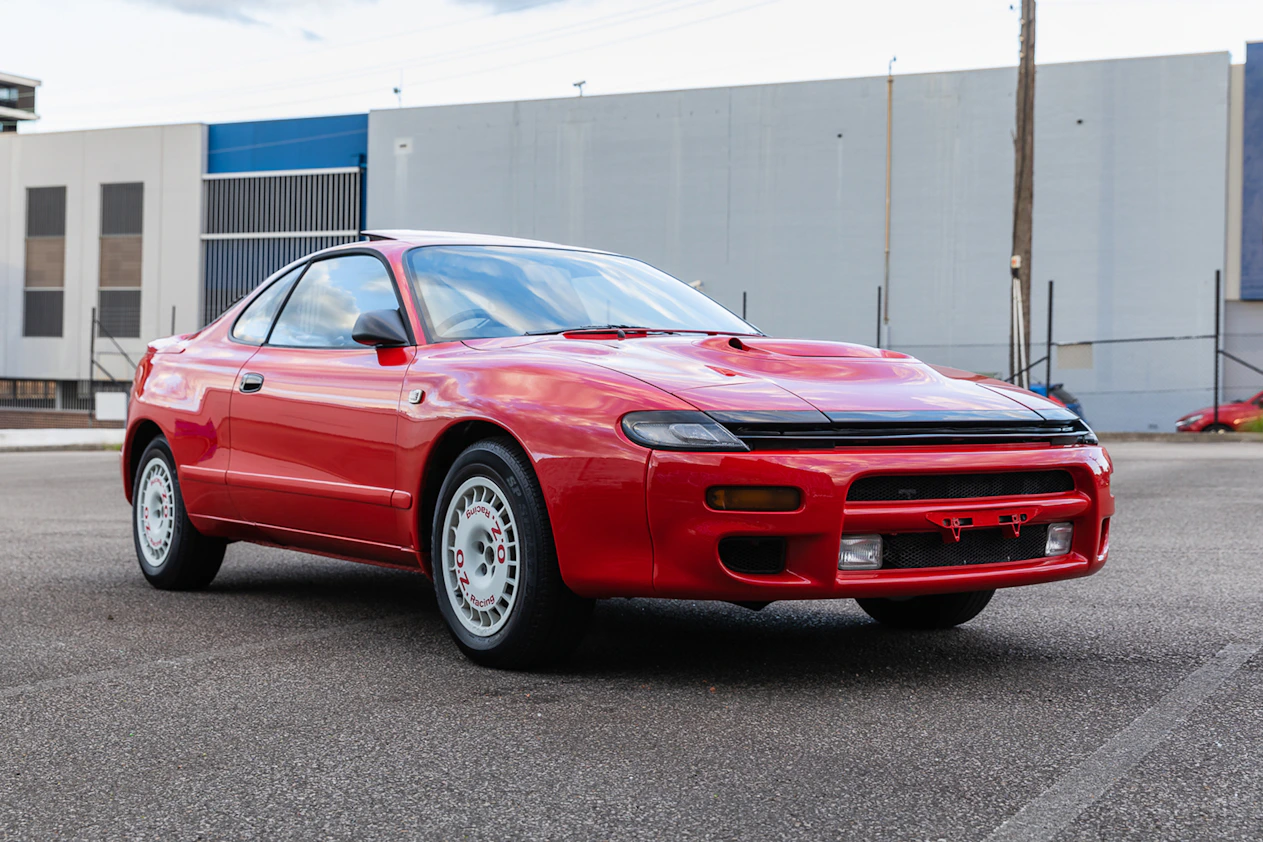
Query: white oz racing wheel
<point>173,555</point>
<point>155,512</point>
<point>496,576</point>
<point>480,556</point>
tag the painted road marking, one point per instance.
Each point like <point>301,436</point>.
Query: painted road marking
<point>1044,818</point>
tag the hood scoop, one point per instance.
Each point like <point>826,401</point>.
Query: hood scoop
<point>798,348</point>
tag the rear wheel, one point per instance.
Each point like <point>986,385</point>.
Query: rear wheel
<point>173,555</point>
<point>495,567</point>
<point>935,611</point>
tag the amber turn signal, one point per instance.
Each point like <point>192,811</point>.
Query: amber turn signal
<point>753,498</point>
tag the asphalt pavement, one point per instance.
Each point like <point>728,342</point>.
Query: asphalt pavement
<point>307,698</point>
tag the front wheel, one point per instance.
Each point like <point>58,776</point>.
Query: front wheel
<point>935,611</point>
<point>1216,428</point>
<point>496,576</point>
<point>173,555</point>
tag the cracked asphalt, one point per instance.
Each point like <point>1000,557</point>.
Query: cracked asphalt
<point>306,698</point>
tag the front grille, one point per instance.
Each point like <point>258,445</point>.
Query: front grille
<point>909,550</point>
<point>811,430</point>
<point>763,556</point>
<point>959,486</point>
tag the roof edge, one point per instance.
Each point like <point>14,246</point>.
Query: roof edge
<point>14,79</point>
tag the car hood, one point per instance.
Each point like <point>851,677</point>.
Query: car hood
<point>721,373</point>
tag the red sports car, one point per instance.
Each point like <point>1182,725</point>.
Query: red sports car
<point>536,426</point>
<point>1231,417</point>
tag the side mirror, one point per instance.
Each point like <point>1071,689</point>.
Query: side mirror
<point>380,328</point>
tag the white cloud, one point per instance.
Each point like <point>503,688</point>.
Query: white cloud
<point>502,6</point>
<point>242,11</point>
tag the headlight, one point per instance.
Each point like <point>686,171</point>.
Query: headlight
<point>1192,419</point>
<point>679,431</point>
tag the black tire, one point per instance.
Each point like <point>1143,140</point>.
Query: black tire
<point>191,559</point>
<point>1217,428</point>
<point>936,611</point>
<point>546,619</point>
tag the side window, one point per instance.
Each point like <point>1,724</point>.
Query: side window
<point>252,325</point>
<point>329,298</point>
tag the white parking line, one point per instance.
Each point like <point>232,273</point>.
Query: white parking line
<point>196,658</point>
<point>1045,817</point>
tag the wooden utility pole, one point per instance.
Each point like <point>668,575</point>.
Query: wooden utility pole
<point>1023,188</point>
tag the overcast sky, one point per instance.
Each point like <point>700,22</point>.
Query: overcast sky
<point>131,62</point>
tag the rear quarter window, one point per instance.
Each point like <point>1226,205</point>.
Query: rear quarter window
<point>254,323</point>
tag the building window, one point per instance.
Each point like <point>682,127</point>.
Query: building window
<point>45,261</point>
<point>118,307</point>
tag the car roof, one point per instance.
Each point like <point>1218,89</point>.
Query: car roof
<point>457,238</point>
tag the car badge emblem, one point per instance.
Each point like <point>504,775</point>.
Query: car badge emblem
<point>416,396</point>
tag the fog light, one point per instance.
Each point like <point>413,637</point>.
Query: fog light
<point>860,552</point>
<point>1059,535</point>
<point>753,498</point>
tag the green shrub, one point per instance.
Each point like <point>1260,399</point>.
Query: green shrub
<point>1254,425</point>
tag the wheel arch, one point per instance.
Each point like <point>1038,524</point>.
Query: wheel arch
<point>449,445</point>
<point>138,438</point>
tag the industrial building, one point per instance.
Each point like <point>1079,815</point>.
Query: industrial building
<point>111,238</point>
<point>774,195</point>
<point>17,101</point>
<point>1148,179</point>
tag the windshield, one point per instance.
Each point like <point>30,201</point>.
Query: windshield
<point>478,292</point>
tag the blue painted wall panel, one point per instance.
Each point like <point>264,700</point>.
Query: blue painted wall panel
<point>304,143</point>
<point>1252,177</point>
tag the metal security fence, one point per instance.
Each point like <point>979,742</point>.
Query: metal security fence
<point>52,404</point>
<point>255,223</point>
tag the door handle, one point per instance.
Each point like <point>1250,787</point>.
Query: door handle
<point>251,382</point>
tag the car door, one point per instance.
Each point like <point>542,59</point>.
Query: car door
<point>315,414</point>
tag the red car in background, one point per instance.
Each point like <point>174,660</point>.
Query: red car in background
<point>1231,417</point>
<point>536,426</point>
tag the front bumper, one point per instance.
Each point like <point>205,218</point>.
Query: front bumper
<point>686,532</point>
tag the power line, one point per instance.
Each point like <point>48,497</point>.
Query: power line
<point>319,50</point>
<point>473,51</point>
<point>306,139</point>
<point>522,62</point>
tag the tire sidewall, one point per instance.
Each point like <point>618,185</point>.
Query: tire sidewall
<point>484,460</point>
<point>167,571</point>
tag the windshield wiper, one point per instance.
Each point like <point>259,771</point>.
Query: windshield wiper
<point>597,328</point>
<point>591,327</point>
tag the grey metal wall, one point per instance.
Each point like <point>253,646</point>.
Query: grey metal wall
<point>778,191</point>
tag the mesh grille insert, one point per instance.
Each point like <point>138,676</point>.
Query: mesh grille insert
<point>958,486</point>
<point>753,555</point>
<point>976,546</point>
